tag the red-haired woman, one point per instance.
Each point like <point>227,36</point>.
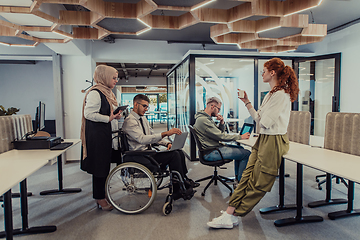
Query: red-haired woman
<point>265,159</point>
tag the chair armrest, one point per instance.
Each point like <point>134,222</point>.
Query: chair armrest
<point>140,152</point>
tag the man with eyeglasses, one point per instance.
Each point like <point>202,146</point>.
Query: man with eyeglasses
<point>211,135</point>
<point>140,137</point>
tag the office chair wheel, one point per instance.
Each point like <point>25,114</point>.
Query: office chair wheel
<point>319,187</point>
<point>167,208</point>
<point>131,188</point>
<point>202,194</point>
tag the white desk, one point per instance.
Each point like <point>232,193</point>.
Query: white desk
<point>15,167</point>
<point>333,162</point>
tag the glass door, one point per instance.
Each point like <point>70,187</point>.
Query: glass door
<point>319,83</point>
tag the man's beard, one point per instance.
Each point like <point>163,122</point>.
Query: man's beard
<point>213,114</point>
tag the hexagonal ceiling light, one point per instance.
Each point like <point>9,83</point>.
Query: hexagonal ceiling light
<point>266,25</point>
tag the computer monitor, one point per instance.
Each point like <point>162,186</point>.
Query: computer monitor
<point>40,117</point>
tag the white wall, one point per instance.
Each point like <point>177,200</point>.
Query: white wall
<point>24,85</point>
<point>347,42</point>
<point>76,69</point>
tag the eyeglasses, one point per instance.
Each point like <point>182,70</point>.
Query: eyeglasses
<point>262,72</point>
<point>116,78</point>
<point>217,107</point>
<point>144,105</point>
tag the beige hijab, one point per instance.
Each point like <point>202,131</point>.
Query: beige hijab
<point>102,76</point>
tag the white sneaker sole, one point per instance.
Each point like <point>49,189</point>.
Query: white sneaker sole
<point>212,225</point>
<point>234,223</point>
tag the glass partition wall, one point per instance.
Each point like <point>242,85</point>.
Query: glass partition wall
<point>199,77</point>
<point>319,83</point>
<point>221,77</point>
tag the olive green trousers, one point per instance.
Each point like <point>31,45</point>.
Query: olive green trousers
<point>260,173</point>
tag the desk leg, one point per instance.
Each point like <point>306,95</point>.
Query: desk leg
<point>15,195</point>
<point>350,209</point>
<point>281,205</point>
<point>328,200</point>
<point>61,190</point>
<point>24,217</point>
<point>299,192</point>
<point>8,219</point>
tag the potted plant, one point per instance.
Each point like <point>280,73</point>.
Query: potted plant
<point>9,111</point>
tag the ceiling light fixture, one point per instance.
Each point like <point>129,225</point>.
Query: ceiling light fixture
<point>21,45</point>
<point>313,35</point>
<point>269,29</point>
<point>62,34</point>
<point>144,23</point>
<point>142,31</point>
<point>5,44</point>
<point>192,9</point>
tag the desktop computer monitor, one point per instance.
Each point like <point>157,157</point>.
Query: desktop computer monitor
<point>40,117</point>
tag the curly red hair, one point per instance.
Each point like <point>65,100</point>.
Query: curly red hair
<point>287,79</point>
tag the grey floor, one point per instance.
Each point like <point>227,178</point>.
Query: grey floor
<point>76,216</point>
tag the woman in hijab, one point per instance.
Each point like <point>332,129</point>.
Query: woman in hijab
<point>98,121</point>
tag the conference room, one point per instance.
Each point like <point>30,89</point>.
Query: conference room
<point>49,52</point>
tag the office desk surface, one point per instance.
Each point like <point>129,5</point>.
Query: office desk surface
<point>13,171</point>
<point>16,165</point>
<point>337,163</point>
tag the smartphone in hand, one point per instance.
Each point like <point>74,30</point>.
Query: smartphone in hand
<point>122,108</point>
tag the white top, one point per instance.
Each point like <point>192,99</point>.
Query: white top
<point>91,112</point>
<point>274,113</point>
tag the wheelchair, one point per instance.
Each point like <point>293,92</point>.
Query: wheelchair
<point>131,187</point>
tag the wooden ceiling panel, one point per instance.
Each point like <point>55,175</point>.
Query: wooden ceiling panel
<point>75,18</point>
<point>85,33</point>
<point>233,20</point>
<point>7,31</point>
<point>120,10</point>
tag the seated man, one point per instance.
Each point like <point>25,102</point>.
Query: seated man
<point>141,136</point>
<point>210,135</point>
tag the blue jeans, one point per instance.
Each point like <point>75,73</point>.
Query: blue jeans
<point>237,153</point>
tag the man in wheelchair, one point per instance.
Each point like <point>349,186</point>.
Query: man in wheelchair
<point>141,137</point>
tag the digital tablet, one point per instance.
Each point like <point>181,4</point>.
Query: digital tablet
<point>122,108</point>
<point>247,127</point>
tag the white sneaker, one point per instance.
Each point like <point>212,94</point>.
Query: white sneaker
<point>234,219</point>
<point>224,221</point>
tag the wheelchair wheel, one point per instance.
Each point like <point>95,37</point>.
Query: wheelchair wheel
<point>167,208</point>
<point>131,188</point>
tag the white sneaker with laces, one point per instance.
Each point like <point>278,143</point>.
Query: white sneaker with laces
<point>234,219</point>
<point>224,221</point>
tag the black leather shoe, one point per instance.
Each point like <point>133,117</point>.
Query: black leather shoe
<point>192,183</point>
<point>189,194</point>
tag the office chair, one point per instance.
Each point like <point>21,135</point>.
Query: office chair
<point>338,180</point>
<point>216,164</point>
